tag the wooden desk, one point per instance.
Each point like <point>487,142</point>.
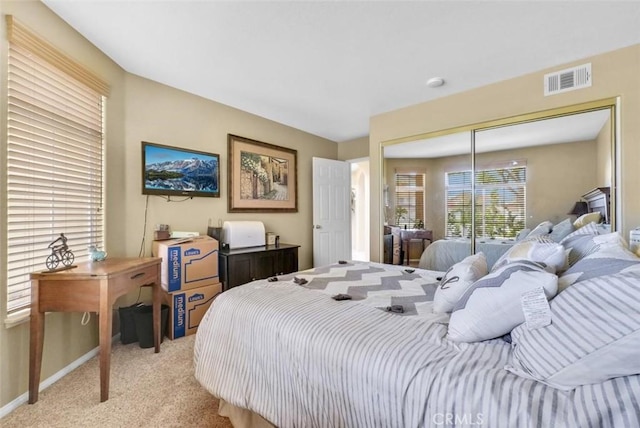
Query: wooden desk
<point>407,235</point>
<point>91,287</point>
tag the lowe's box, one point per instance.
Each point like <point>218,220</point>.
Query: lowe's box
<point>187,308</point>
<point>187,263</point>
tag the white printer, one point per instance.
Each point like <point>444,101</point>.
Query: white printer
<point>241,234</point>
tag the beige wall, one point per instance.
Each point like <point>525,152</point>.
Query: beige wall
<point>139,109</point>
<point>160,114</point>
<point>353,149</point>
<point>604,161</point>
<point>615,74</point>
<point>572,164</point>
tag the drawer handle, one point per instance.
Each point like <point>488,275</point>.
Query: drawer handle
<point>138,275</point>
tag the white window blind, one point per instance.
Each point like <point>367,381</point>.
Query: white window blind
<point>55,165</point>
<point>409,200</point>
<point>500,202</point>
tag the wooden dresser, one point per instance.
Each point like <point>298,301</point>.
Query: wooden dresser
<point>242,265</point>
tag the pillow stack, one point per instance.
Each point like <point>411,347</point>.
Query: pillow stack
<point>594,333</point>
<point>485,306</point>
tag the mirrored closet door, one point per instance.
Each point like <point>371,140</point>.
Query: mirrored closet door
<point>509,175</point>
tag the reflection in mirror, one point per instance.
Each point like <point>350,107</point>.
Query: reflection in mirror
<point>535,183</point>
<point>548,166</point>
<point>416,191</point>
<point>526,174</point>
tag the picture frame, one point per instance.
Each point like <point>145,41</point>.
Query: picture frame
<point>262,177</point>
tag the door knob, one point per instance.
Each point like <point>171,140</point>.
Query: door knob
<point>318,226</point>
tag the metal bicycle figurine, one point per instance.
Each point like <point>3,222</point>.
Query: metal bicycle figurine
<point>59,253</point>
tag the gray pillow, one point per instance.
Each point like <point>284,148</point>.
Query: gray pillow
<point>562,230</point>
<point>543,228</point>
<point>580,243</point>
<point>522,234</point>
<point>609,256</point>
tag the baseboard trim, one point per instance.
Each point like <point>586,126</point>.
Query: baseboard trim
<point>24,398</point>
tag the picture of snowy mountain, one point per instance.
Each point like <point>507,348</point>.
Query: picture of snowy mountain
<point>180,171</point>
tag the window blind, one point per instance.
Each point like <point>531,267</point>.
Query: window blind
<point>409,200</point>
<point>55,166</point>
<point>500,202</point>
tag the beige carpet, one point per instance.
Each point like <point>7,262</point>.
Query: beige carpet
<point>146,390</point>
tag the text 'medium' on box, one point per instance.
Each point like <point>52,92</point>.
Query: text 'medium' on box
<point>187,263</point>
<point>187,308</point>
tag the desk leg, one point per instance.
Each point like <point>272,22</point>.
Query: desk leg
<point>105,339</point>
<point>157,302</point>
<point>36,339</point>
<point>406,248</point>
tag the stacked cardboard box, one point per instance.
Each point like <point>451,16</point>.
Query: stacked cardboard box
<point>190,280</point>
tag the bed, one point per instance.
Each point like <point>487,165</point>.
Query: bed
<point>288,352</point>
<point>444,253</point>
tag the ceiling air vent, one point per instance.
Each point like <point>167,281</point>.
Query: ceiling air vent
<point>567,80</point>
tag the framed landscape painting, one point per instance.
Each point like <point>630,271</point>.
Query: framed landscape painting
<point>262,176</point>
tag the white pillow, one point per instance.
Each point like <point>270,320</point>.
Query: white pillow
<point>491,307</point>
<point>539,249</point>
<point>457,280</point>
<point>543,228</point>
<point>610,256</point>
<point>594,335</point>
<point>587,218</point>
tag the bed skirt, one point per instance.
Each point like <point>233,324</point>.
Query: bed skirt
<point>242,418</point>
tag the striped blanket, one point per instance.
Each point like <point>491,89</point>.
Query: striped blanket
<point>301,359</point>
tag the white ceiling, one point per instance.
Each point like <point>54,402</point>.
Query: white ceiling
<point>327,67</point>
<point>566,129</point>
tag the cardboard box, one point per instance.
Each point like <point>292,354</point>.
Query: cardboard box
<point>187,263</point>
<point>187,308</point>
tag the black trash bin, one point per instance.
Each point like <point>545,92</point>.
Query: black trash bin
<point>143,318</point>
<point>128,332</point>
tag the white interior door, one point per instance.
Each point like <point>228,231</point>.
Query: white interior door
<point>331,211</point>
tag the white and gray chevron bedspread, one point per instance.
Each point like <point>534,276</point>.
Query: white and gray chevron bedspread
<point>300,359</point>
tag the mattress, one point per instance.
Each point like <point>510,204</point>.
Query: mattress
<point>290,353</point>
<point>444,253</point>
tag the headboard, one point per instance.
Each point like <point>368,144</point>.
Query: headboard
<point>598,201</point>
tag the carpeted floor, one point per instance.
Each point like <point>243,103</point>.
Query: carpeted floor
<point>146,390</point>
